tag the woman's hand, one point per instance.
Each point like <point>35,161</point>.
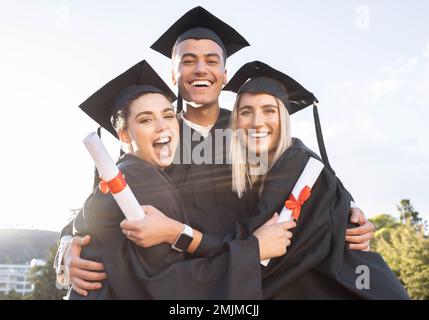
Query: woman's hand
<point>154,229</point>
<point>274,238</point>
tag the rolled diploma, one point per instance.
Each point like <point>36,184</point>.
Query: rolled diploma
<point>308,177</point>
<point>108,170</point>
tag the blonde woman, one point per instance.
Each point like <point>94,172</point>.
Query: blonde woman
<point>268,161</point>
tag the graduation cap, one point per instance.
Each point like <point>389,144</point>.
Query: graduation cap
<point>113,96</point>
<point>198,24</point>
<point>265,79</point>
<point>258,77</point>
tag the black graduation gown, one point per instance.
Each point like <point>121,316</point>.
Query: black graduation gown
<point>159,272</point>
<point>318,264</point>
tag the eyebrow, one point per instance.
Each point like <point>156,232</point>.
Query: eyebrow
<point>189,55</point>
<point>269,106</point>
<point>149,113</point>
<point>245,107</point>
<point>193,55</point>
<point>210,55</point>
<point>265,106</point>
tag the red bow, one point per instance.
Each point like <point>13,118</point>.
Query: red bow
<point>117,184</point>
<point>295,205</point>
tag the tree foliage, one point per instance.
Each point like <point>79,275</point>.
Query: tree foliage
<point>12,295</point>
<point>405,248</point>
<point>407,212</point>
<point>44,278</point>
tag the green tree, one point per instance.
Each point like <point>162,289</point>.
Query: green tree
<point>12,295</point>
<point>405,248</point>
<point>407,212</point>
<point>384,221</point>
<point>43,279</point>
<point>384,224</point>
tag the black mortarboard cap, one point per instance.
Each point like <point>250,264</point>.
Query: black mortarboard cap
<point>113,96</point>
<point>198,23</point>
<point>258,77</point>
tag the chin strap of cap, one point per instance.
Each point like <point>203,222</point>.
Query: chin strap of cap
<point>179,104</point>
<point>319,135</point>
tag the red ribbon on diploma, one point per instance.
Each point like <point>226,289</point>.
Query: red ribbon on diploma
<point>295,205</point>
<point>117,184</point>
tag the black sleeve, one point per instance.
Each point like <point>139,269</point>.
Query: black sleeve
<point>232,274</point>
<point>211,244</point>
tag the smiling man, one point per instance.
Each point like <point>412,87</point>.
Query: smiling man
<point>199,44</point>
<point>200,67</point>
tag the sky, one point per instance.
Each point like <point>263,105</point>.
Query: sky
<point>367,62</point>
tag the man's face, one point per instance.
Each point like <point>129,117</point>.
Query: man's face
<point>199,71</point>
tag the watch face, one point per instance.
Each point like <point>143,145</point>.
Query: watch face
<point>183,242</point>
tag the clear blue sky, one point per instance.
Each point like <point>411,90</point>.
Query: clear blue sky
<point>366,61</point>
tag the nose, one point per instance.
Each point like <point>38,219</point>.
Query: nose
<point>161,125</point>
<point>200,68</point>
<point>258,120</point>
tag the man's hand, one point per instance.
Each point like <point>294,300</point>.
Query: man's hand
<point>359,237</point>
<point>82,271</point>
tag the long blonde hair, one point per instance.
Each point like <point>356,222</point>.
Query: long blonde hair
<point>243,176</point>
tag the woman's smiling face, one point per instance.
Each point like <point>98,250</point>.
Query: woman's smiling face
<point>258,118</point>
<point>152,131</point>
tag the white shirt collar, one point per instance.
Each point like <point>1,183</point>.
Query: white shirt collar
<point>203,130</point>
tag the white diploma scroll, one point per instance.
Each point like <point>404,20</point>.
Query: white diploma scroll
<point>308,177</point>
<point>108,171</point>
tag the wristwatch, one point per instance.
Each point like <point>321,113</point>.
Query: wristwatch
<point>184,239</point>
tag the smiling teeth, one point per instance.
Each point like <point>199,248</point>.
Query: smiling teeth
<point>201,83</point>
<point>258,134</point>
<point>163,140</point>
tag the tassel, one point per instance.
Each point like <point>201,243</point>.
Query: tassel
<point>319,135</point>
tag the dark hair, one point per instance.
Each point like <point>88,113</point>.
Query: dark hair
<point>224,55</point>
<point>119,119</point>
